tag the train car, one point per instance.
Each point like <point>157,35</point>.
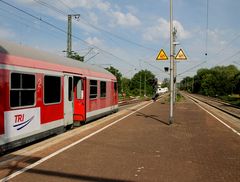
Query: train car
<point>43,94</point>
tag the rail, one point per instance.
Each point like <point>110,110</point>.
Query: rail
<point>220,105</point>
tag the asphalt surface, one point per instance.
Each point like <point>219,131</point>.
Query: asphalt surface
<point>143,147</point>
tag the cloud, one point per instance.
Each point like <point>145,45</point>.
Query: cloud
<point>104,6</point>
<point>158,31</point>
<point>94,41</point>
<point>110,12</point>
<point>161,31</point>
<point>127,19</point>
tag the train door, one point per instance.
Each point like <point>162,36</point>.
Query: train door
<point>113,94</point>
<point>115,86</point>
<point>79,110</point>
<point>68,100</point>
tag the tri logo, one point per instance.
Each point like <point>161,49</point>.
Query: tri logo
<point>20,123</point>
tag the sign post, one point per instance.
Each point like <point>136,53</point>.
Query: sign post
<point>171,65</point>
<point>180,56</point>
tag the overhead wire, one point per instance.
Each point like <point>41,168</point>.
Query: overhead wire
<point>88,24</point>
<point>206,40</point>
<point>230,57</point>
<point>189,69</point>
<point>63,31</point>
<point>227,44</point>
<point>206,44</point>
<point>50,6</point>
<point>25,22</point>
<point>83,20</point>
<point>117,36</point>
<point>156,67</point>
<point>93,26</point>
<point>66,5</point>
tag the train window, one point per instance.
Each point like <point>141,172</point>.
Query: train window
<point>79,90</point>
<point>115,86</point>
<point>52,89</point>
<point>70,88</point>
<point>22,91</point>
<point>103,89</point>
<point>93,89</point>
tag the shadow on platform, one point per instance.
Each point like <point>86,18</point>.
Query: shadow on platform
<point>154,117</point>
<point>71,176</point>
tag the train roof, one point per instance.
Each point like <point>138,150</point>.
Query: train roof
<point>14,49</point>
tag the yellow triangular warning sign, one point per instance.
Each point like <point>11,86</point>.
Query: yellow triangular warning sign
<point>162,55</point>
<point>180,55</point>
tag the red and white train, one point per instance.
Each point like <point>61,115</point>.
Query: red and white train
<point>43,94</point>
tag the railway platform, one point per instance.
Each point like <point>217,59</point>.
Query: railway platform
<point>142,146</point>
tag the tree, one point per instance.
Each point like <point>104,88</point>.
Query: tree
<point>165,83</point>
<point>187,84</point>
<point>126,86</point>
<point>142,81</point>
<point>217,81</point>
<point>76,56</point>
<point>118,75</point>
<point>236,88</point>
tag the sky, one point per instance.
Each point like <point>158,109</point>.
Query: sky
<point>128,34</point>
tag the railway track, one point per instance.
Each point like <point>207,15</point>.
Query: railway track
<point>130,101</point>
<point>218,104</point>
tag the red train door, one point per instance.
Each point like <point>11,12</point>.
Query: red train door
<point>79,101</point>
<point>114,94</point>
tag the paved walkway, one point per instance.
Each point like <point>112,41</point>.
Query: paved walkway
<point>143,147</point>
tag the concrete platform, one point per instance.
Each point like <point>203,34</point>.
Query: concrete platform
<point>143,147</point>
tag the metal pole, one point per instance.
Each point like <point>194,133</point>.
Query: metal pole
<point>174,65</point>
<point>140,85</point>
<point>145,84</point>
<point>171,65</point>
<point>69,33</point>
<point>69,36</point>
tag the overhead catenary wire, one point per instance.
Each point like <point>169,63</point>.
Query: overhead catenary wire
<point>91,25</point>
<point>206,44</point>
<point>50,6</point>
<point>206,40</point>
<point>189,69</point>
<point>63,31</point>
<point>25,22</point>
<point>230,57</point>
<point>156,67</point>
<point>84,21</point>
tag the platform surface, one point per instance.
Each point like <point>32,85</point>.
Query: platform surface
<point>143,147</point>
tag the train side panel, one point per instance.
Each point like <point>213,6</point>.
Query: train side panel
<point>101,98</point>
<point>28,111</point>
<point>34,94</point>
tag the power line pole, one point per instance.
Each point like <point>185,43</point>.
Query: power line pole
<point>171,65</point>
<point>140,85</point>
<point>69,33</point>
<point>145,83</point>
<point>174,64</point>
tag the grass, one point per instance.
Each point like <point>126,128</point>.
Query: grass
<point>179,98</point>
<point>232,99</point>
